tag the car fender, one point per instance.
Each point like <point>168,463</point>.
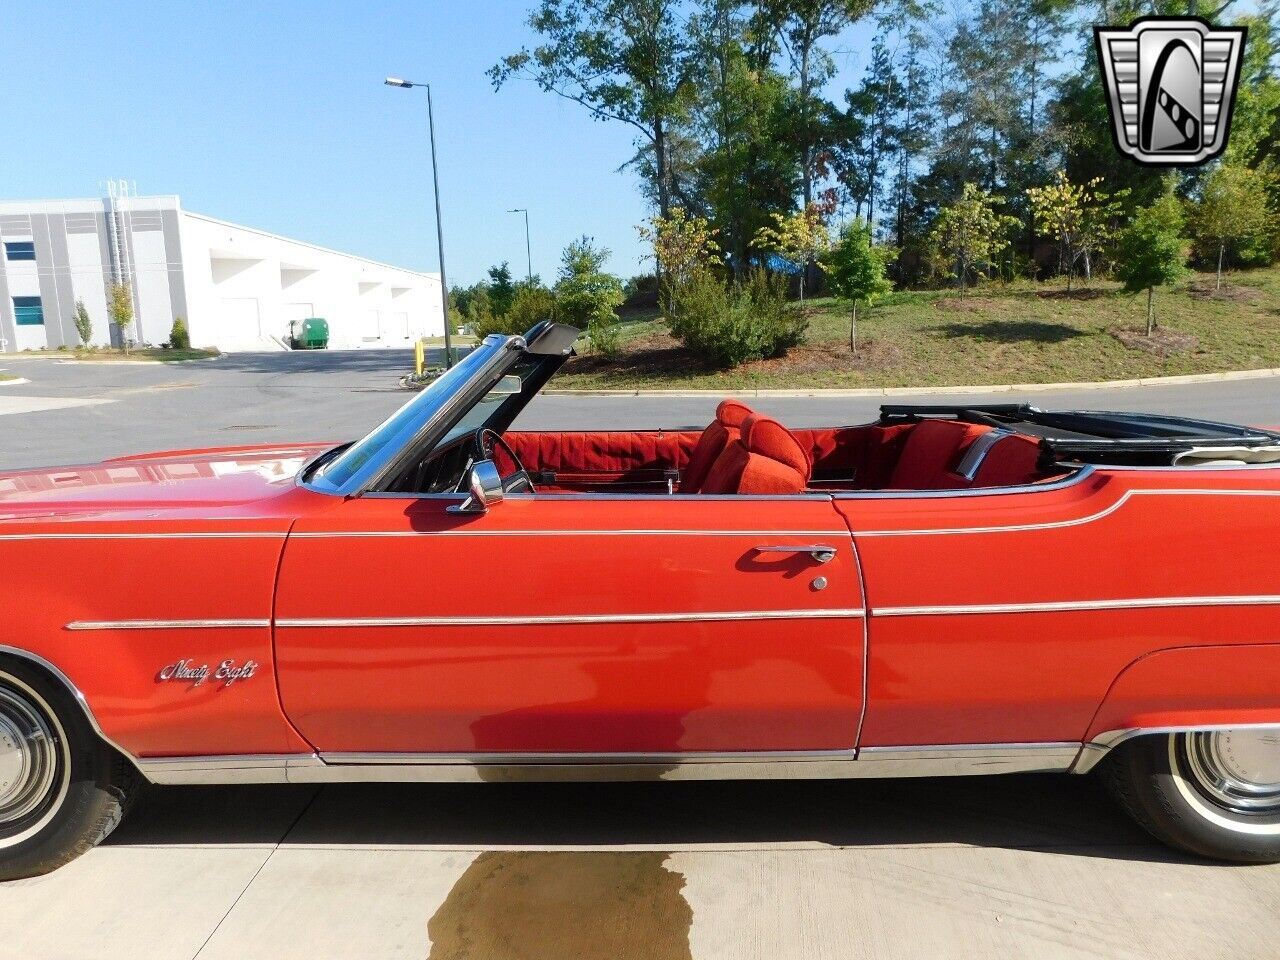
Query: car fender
<point>1187,688</point>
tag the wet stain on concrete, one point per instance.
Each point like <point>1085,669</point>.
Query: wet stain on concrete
<point>516,905</point>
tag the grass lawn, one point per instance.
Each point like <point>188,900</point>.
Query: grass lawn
<point>108,355</point>
<point>997,334</point>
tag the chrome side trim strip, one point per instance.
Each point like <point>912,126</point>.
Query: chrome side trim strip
<point>308,622</point>
<point>1074,522</point>
<point>264,768</point>
<point>570,533</point>
<point>1061,606</point>
<point>926,761</point>
<point>200,535</point>
<point>166,624</point>
<point>962,760</point>
<point>1096,750</point>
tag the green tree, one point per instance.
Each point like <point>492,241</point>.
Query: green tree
<point>84,326</point>
<point>681,244</point>
<point>586,296</point>
<point>802,238</point>
<point>624,60</point>
<point>970,233</point>
<point>1232,209</point>
<point>855,269</point>
<point>1152,252</point>
<point>1078,215</point>
<point>531,305</point>
<point>120,310</point>
<point>804,26</point>
<point>502,290</point>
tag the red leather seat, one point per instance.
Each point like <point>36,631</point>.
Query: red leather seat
<point>765,459</point>
<point>730,415</point>
<point>933,447</point>
<point>1011,461</point>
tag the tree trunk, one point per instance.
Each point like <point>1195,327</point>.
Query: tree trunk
<point>1222,249</point>
<point>1151,317</point>
<point>1088,267</point>
<point>660,167</point>
<point>853,329</point>
<point>806,159</point>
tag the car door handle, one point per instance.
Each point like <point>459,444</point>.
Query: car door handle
<point>820,552</point>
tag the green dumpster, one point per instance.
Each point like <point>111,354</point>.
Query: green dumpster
<point>309,334</point>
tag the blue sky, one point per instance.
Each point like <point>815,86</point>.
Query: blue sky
<point>273,114</point>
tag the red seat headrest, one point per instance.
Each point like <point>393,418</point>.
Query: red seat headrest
<point>768,438</point>
<point>733,413</point>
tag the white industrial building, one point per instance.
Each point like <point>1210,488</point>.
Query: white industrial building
<point>237,288</point>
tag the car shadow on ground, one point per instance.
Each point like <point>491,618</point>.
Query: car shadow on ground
<point>1056,813</point>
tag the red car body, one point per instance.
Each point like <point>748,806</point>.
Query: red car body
<point>1028,629</point>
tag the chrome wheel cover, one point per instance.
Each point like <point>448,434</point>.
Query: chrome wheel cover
<point>1236,770</point>
<point>35,762</point>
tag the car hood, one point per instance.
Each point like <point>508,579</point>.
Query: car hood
<point>222,476</point>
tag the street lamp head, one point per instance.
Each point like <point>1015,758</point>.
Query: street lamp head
<point>397,82</point>
<point>518,210</point>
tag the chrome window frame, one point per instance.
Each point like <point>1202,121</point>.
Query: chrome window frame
<point>374,472</point>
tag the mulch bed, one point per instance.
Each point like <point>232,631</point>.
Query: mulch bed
<point>1080,293</point>
<point>1163,342</point>
<point>1229,292</point>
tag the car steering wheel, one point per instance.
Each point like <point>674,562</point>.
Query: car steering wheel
<point>518,482</point>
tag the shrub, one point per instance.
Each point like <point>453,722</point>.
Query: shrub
<point>179,335</point>
<point>84,326</point>
<point>531,305</point>
<point>729,325</point>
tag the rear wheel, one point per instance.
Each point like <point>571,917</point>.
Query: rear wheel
<point>1214,793</point>
<point>61,789</point>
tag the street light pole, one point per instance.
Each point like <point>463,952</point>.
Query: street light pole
<point>528,247</point>
<point>435,184</point>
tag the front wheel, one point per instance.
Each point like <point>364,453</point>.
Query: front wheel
<point>61,789</point>
<point>1213,793</point>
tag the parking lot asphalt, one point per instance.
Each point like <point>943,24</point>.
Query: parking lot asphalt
<point>77,412</point>
<point>1035,867</point>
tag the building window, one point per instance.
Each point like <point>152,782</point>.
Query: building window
<point>20,250</point>
<point>28,312</point>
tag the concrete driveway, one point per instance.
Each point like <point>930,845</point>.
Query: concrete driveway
<point>1034,867</point>
<point>1009,867</point>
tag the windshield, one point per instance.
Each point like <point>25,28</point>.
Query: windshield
<point>399,428</point>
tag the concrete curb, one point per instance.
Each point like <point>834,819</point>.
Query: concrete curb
<point>918,391</point>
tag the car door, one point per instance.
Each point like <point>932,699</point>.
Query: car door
<point>562,624</point>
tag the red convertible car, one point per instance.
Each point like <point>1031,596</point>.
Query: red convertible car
<point>948,590</point>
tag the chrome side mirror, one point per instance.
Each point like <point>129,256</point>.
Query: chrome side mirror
<point>485,486</point>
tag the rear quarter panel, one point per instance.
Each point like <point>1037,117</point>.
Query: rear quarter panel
<point>1196,544</point>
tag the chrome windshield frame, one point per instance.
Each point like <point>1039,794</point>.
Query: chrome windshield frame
<point>437,403</point>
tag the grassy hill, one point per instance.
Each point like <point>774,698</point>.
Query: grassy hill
<point>997,334</point>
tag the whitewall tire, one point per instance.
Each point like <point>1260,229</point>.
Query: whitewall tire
<point>62,790</point>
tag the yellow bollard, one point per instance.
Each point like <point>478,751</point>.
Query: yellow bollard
<point>419,357</point>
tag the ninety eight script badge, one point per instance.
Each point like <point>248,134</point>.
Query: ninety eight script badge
<point>196,674</point>
<point>1171,85</point>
